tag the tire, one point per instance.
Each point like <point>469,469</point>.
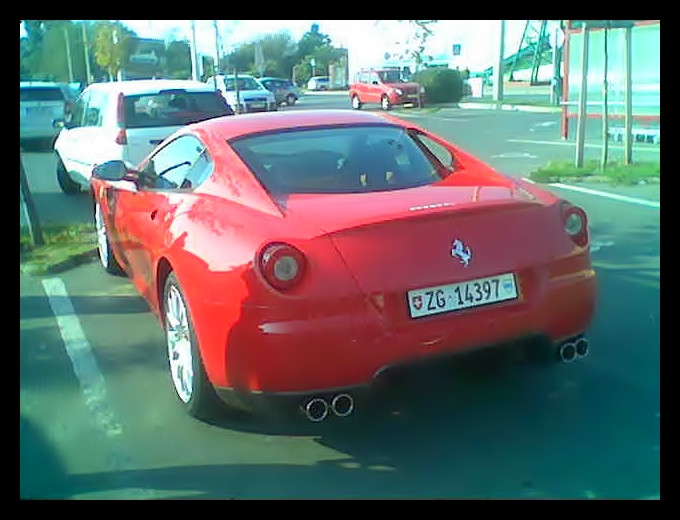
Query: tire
<point>356,103</point>
<point>67,185</point>
<point>385,103</point>
<point>290,100</point>
<point>185,366</point>
<point>108,261</point>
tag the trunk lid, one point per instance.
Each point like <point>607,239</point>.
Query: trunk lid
<point>394,243</point>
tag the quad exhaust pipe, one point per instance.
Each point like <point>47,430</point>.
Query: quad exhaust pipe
<point>570,350</point>
<point>317,408</point>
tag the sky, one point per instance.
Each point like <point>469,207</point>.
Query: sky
<point>366,40</point>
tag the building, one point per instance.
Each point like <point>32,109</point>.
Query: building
<point>645,72</point>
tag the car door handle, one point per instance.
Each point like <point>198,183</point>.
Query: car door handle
<point>153,214</point>
<point>155,141</point>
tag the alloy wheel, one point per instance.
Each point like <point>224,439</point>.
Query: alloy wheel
<point>178,336</point>
<point>102,240</point>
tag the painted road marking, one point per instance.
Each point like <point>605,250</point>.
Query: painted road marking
<point>82,359</point>
<point>623,198</point>
<point>586,145</point>
<point>515,155</point>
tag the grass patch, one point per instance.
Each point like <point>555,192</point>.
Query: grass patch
<point>614,173</point>
<point>65,247</point>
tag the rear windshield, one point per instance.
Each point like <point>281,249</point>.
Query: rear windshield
<point>40,94</point>
<point>337,160</point>
<point>173,108</point>
<point>392,76</point>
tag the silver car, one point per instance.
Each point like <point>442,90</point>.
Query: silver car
<point>251,95</point>
<point>40,104</point>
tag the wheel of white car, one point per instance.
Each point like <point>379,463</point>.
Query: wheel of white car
<point>385,103</point>
<point>356,103</point>
<point>108,260</point>
<point>184,359</point>
<point>67,185</point>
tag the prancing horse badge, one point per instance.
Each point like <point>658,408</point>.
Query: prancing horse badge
<point>463,253</point>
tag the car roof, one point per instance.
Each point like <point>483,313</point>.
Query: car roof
<point>40,84</point>
<point>234,75</point>
<point>229,127</point>
<point>150,86</point>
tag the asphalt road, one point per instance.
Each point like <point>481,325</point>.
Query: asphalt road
<point>589,429</point>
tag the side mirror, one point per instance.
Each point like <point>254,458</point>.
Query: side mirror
<point>114,171</point>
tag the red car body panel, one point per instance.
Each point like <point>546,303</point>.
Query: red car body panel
<point>348,317</point>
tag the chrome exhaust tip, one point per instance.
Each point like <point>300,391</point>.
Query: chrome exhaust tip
<point>342,405</point>
<point>316,409</point>
<point>582,347</point>
<point>567,352</point>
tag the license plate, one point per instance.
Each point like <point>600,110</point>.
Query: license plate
<point>257,105</point>
<point>457,296</point>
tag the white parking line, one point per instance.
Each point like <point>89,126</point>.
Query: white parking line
<point>614,196</point>
<point>586,145</point>
<point>82,359</point>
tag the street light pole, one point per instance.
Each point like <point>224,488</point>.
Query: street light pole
<point>498,67</point>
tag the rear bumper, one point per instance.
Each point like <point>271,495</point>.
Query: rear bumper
<point>269,352</point>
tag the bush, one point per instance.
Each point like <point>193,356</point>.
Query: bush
<point>442,85</point>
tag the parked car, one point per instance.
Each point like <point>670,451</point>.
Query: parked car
<point>125,120</point>
<point>319,83</point>
<point>296,260</point>
<point>283,89</point>
<point>387,87</point>
<point>40,104</point>
<point>252,95</point>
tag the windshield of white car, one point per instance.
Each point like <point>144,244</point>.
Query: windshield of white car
<point>345,159</point>
<point>243,84</point>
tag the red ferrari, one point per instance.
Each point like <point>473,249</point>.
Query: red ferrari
<point>300,255</point>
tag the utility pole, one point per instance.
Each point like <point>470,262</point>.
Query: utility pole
<point>605,112</point>
<point>498,67</point>
<point>580,130</point>
<point>88,74</point>
<point>217,54</point>
<point>68,56</point>
<point>194,53</point>
<point>627,70</point>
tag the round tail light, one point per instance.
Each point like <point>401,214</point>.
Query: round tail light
<point>575,224</point>
<point>282,265</point>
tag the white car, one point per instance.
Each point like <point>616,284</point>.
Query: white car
<point>319,83</point>
<point>126,120</point>
<point>40,104</point>
<point>252,95</point>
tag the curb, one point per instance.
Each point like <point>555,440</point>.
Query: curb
<point>69,263</point>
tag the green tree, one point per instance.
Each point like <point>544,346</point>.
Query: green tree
<point>421,31</point>
<point>111,46</point>
<point>310,41</point>
<point>179,59</point>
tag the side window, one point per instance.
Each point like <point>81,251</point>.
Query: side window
<point>94,108</point>
<point>435,150</point>
<point>374,78</point>
<point>182,164</point>
<point>75,117</point>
